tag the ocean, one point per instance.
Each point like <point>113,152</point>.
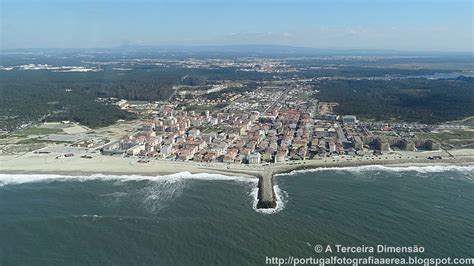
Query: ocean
<point>203,219</point>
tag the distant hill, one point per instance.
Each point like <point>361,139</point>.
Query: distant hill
<point>254,50</point>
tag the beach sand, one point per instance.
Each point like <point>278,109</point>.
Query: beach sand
<point>99,164</point>
<point>31,163</point>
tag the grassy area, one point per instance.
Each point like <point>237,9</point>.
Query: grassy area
<point>452,139</point>
<point>38,131</point>
<point>29,141</point>
<point>199,108</point>
<point>449,135</point>
<point>15,149</point>
<point>36,141</point>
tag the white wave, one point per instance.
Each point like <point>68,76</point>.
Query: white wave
<point>469,169</point>
<point>158,194</point>
<point>281,199</point>
<point>7,179</point>
<point>91,216</point>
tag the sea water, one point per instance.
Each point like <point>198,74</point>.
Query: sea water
<point>203,219</point>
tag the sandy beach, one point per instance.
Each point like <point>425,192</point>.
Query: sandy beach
<point>75,165</point>
<point>31,163</point>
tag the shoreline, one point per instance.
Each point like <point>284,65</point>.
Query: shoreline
<point>388,164</point>
<point>50,164</point>
<point>266,198</point>
<point>230,173</point>
<point>30,164</point>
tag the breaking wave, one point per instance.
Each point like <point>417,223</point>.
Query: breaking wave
<point>156,195</point>
<point>12,179</point>
<point>281,199</point>
<point>159,194</point>
<point>468,169</point>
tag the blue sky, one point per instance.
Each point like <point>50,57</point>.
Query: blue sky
<point>417,25</point>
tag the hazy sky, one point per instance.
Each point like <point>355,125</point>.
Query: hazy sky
<point>440,25</point>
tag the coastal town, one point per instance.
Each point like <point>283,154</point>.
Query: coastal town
<point>276,123</point>
<point>251,117</point>
<point>226,128</point>
<point>212,132</point>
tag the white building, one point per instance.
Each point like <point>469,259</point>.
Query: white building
<point>332,147</point>
<point>136,150</point>
<point>254,158</point>
<point>166,150</point>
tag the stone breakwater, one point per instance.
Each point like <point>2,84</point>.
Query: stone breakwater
<point>267,197</point>
<point>266,194</point>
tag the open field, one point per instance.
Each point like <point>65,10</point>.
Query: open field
<point>452,138</point>
<point>38,131</point>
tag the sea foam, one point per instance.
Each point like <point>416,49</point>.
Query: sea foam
<point>162,189</point>
<point>281,199</point>
<point>8,179</point>
<point>468,169</point>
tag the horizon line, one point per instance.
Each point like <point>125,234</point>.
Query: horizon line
<point>237,45</point>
